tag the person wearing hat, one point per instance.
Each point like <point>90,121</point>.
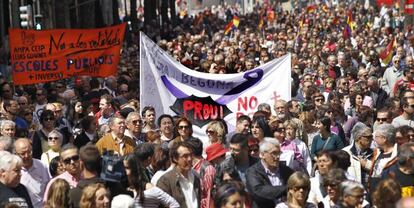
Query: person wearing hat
<point>216,153</point>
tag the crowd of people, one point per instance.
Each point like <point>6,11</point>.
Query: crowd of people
<point>345,139</point>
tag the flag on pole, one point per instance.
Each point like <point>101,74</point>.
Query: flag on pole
<point>311,8</point>
<point>349,26</point>
<point>386,54</point>
<point>233,24</point>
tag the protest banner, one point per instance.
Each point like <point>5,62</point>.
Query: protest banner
<point>49,55</point>
<point>173,89</point>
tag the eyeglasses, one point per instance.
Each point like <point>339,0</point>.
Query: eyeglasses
<point>297,188</point>
<point>73,158</point>
<point>53,138</point>
<point>49,119</point>
<point>210,132</point>
<point>382,119</point>
<point>39,94</point>
<point>183,127</point>
<point>319,100</point>
<point>135,122</point>
<point>280,129</point>
<point>412,106</point>
<point>331,185</point>
<point>22,103</point>
<point>59,86</point>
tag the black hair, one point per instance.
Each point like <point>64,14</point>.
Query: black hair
<point>197,145</point>
<point>46,114</point>
<point>174,149</point>
<point>143,151</point>
<point>225,191</point>
<point>53,166</point>
<point>262,122</point>
<point>136,178</point>
<point>86,122</point>
<point>326,122</point>
<point>239,138</point>
<point>345,159</point>
<point>145,109</point>
<point>163,116</point>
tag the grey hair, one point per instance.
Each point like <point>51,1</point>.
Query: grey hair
<point>7,143</point>
<point>3,123</point>
<point>132,114</point>
<point>267,144</point>
<point>56,132</point>
<point>348,187</point>
<point>264,106</point>
<point>388,131</point>
<point>358,130</point>
<point>7,160</point>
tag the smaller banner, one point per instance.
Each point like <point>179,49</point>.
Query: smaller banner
<point>50,55</point>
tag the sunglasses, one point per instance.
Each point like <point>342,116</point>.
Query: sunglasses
<point>49,119</point>
<point>53,138</point>
<point>210,132</point>
<point>382,119</point>
<point>297,188</point>
<point>183,127</point>
<point>135,122</point>
<point>280,129</point>
<point>73,158</point>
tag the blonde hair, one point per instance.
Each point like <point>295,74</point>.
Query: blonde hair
<point>58,195</point>
<point>88,195</point>
<point>219,128</point>
<point>297,179</point>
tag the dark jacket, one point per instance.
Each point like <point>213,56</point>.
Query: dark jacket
<point>170,184</point>
<point>260,188</point>
<point>82,139</point>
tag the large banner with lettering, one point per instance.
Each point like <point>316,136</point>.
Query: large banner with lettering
<point>174,89</point>
<point>49,55</point>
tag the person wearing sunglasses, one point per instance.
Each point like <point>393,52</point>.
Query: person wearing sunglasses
<point>39,138</point>
<point>69,155</point>
<point>133,123</point>
<point>54,141</point>
<point>183,130</point>
<point>215,132</point>
<point>406,118</point>
<point>298,186</point>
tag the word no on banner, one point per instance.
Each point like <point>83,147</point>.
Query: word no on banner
<point>50,55</point>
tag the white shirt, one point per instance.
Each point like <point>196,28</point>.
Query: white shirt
<point>187,186</point>
<point>35,180</point>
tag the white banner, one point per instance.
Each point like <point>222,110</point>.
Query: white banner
<point>174,89</point>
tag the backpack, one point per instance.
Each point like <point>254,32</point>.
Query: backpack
<point>112,167</point>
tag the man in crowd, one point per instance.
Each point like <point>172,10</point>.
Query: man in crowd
<point>35,175</point>
<point>69,156</point>
<point>134,127</point>
<point>242,126</point>
<point>182,183</point>
<point>406,118</point>
<point>391,75</point>
<point>267,179</point>
<point>148,113</point>
<point>11,190</point>
<point>115,140</point>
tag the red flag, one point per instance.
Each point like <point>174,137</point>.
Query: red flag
<point>386,54</point>
<point>311,8</point>
<point>409,7</point>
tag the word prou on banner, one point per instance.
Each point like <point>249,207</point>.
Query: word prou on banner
<point>50,55</point>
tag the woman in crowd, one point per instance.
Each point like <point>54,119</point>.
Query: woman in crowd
<point>58,195</point>
<point>216,132</point>
<point>386,194</point>
<point>40,139</point>
<point>326,140</point>
<point>56,167</point>
<point>286,144</point>
<point>89,132</point>
<point>183,130</point>
<point>304,161</point>
<point>145,194</point>
<point>298,187</point>
<point>95,195</point>
<point>356,99</point>
<point>260,128</point>
<point>325,161</point>
<point>331,182</point>
<point>230,195</point>
<point>54,141</point>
